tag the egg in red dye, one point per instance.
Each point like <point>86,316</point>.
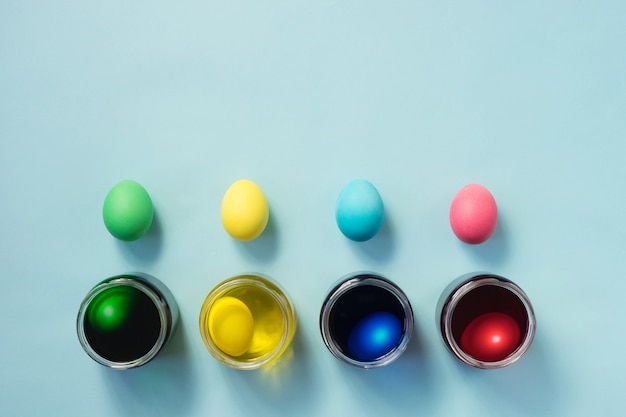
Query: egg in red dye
<point>473,214</point>
<point>491,337</point>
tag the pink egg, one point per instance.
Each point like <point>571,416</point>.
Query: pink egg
<point>473,214</point>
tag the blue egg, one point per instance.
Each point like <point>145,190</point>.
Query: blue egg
<point>374,336</point>
<point>360,210</point>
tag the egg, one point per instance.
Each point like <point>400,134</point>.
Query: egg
<point>491,337</point>
<point>110,310</point>
<point>374,336</point>
<point>359,211</point>
<point>473,214</point>
<point>231,326</point>
<point>245,211</point>
<point>128,211</point>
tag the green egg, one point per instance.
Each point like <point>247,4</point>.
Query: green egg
<point>128,211</point>
<point>111,309</point>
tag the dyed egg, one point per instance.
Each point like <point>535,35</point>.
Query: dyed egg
<point>111,309</point>
<point>128,211</point>
<point>245,211</point>
<point>374,336</point>
<point>473,214</point>
<point>231,326</point>
<point>360,211</point>
<point>491,337</point>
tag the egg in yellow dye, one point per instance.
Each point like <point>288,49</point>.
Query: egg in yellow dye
<point>245,211</point>
<point>231,326</point>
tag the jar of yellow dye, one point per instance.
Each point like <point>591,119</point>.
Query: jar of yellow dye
<point>247,321</point>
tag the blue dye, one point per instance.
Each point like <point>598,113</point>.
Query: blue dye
<point>374,336</point>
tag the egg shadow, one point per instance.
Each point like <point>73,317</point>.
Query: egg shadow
<point>165,385</point>
<point>285,387</point>
<point>381,247</point>
<point>528,387</point>
<point>496,250</point>
<point>404,386</point>
<point>265,247</point>
<point>147,248</point>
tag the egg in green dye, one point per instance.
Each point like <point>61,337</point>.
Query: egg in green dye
<point>112,309</point>
<point>128,211</point>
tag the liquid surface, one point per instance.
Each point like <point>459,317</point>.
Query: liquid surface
<point>122,324</point>
<point>353,307</point>
<point>487,299</point>
<point>267,320</point>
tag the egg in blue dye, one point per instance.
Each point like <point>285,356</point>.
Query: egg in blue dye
<point>360,211</point>
<point>374,336</point>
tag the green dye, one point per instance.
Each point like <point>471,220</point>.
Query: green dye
<point>122,324</point>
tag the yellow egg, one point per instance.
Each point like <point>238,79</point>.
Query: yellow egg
<point>245,211</point>
<point>231,326</point>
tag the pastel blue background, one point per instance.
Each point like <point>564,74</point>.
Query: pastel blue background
<point>419,97</point>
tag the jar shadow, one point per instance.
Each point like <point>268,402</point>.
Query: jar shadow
<point>276,389</point>
<point>165,385</point>
<point>527,387</point>
<point>403,386</point>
